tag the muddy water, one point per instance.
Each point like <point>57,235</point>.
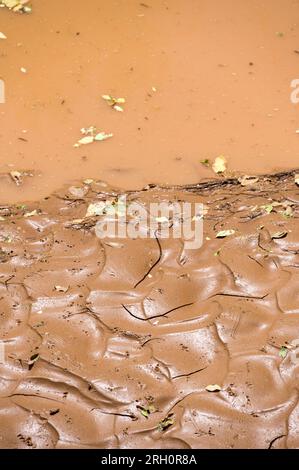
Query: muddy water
<point>201,78</point>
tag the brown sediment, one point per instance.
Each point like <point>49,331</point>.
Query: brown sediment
<point>200,78</point>
<point>112,343</point>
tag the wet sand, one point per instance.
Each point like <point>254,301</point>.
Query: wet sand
<point>221,70</point>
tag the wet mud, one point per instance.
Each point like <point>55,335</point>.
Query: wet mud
<point>118,343</point>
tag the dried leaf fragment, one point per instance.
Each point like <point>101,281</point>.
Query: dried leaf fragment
<point>61,288</point>
<point>102,136</point>
<point>16,176</point>
<point>246,180</point>
<point>225,233</point>
<point>30,214</point>
<point>166,422</point>
<point>213,388</point>
<point>219,165</point>
<point>2,35</point>
<point>279,235</point>
<point>114,102</point>
<point>146,410</point>
<point>33,360</point>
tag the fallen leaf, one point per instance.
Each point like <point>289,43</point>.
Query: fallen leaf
<point>288,212</point>
<point>225,233</point>
<point>16,5</point>
<point>146,410</point>
<point>213,388</point>
<point>95,208</point>
<point>114,102</point>
<point>279,235</point>
<point>166,422</point>
<point>205,162</point>
<point>61,288</point>
<point>2,36</point>
<point>219,165</point>
<point>88,139</point>
<point>267,208</point>
<point>247,180</point>
<point>30,214</point>
<point>16,176</point>
<point>102,136</point>
<point>23,70</point>
<point>118,108</point>
<point>32,360</point>
<point>283,352</point>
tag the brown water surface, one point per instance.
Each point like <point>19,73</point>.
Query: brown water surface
<point>201,78</point>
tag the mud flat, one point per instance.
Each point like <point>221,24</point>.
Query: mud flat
<point>137,343</point>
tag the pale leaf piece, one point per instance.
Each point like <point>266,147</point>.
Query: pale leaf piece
<point>95,208</point>
<point>31,214</point>
<point>32,360</point>
<point>213,388</point>
<point>2,35</point>
<point>61,288</point>
<point>88,139</point>
<point>118,108</point>
<point>16,176</point>
<point>279,235</point>
<point>102,136</point>
<point>283,352</point>
<point>246,180</point>
<point>219,165</point>
<point>267,208</point>
<point>225,233</point>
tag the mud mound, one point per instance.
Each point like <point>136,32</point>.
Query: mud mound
<point>115,343</point>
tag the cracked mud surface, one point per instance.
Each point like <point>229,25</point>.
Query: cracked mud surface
<point>107,351</point>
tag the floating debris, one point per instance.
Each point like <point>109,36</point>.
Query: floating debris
<point>19,6</point>
<point>114,102</point>
<point>92,135</point>
<point>2,36</point>
<point>219,165</point>
<point>16,176</point>
<point>205,162</point>
<point>23,70</point>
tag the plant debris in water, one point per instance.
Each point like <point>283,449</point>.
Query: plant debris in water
<point>19,6</point>
<point>114,102</point>
<point>219,165</point>
<point>91,135</point>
